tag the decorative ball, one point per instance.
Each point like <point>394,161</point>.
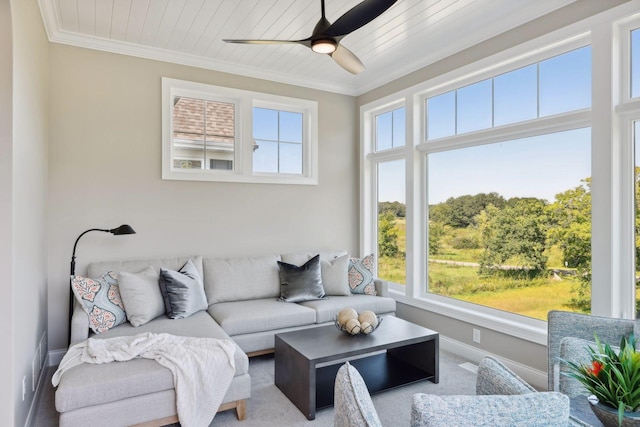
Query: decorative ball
<point>353,326</point>
<point>366,327</point>
<point>347,314</point>
<point>369,317</point>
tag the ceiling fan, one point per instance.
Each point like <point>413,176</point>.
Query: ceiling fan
<point>326,36</point>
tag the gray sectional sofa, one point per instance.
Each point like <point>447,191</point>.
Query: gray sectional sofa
<point>242,296</point>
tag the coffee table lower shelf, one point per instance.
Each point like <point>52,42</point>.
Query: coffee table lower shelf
<point>380,372</point>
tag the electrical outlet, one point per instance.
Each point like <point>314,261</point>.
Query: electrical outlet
<point>476,335</point>
<point>24,387</point>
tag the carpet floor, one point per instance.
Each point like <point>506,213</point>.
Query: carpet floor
<point>269,407</point>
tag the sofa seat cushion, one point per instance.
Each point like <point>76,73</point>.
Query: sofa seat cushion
<point>87,384</point>
<point>244,317</point>
<point>327,310</point>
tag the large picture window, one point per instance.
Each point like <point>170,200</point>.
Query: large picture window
<point>510,224</point>
<point>522,185</point>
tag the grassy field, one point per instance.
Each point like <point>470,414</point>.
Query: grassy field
<point>529,297</point>
<point>533,298</point>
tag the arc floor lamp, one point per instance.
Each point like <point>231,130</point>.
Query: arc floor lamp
<point>123,229</point>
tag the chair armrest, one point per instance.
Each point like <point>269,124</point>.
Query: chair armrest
<point>382,287</point>
<point>79,324</point>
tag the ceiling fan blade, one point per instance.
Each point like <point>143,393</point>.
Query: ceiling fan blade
<point>305,42</point>
<point>347,60</point>
<point>358,16</point>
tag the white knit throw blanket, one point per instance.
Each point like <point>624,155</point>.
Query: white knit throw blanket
<point>202,368</point>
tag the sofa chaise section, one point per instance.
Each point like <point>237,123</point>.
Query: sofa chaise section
<point>140,390</point>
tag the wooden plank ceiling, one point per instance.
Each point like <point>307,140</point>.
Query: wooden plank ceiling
<point>408,36</point>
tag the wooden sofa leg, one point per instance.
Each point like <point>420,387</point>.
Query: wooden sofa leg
<point>239,405</point>
<point>241,409</point>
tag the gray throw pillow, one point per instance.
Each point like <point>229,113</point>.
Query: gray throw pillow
<point>183,291</point>
<point>303,283</point>
<point>141,295</point>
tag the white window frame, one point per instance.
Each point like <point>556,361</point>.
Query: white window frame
<point>244,102</point>
<point>627,111</point>
<point>369,184</point>
<point>612,216</point>
<point>510,323</point>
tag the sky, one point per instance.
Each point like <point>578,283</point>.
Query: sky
<point>278,135</point>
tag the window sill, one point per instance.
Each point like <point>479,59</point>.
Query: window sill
<point>522,327</point>
<point>198,175</point>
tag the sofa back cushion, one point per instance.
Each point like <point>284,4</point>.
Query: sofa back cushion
<point>239,279</point>
<point>96,269</point>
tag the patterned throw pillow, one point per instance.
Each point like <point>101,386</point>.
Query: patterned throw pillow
<point>100,298</point>
<point>361,275</point>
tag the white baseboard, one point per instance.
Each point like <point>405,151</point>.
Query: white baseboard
<point>535,377</point>
<point>55,356</point>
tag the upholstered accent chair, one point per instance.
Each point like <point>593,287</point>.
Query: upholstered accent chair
<point>352,403</point>
<point>502,398</point>
<point>567,338</point>
<point>494,378</point>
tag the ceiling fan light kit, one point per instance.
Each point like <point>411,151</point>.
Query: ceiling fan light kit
<point>326,36</point>
<point>323,46</point>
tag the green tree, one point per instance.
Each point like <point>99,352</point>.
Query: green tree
<point>460,212</point>
<point>387,235</point>
<point>396,208</point>
<point>570,216</point>
<point>517,234</point>
<point>436,231</point>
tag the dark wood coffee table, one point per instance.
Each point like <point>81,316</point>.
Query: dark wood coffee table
<point>396,354</point>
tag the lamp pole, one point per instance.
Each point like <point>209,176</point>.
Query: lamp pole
<point>123,229</point>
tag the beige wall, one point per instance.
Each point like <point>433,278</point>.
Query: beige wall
<point>28,202</point>
<point>7,382</point>
<point>105,170</point>
<point>524,352</point>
